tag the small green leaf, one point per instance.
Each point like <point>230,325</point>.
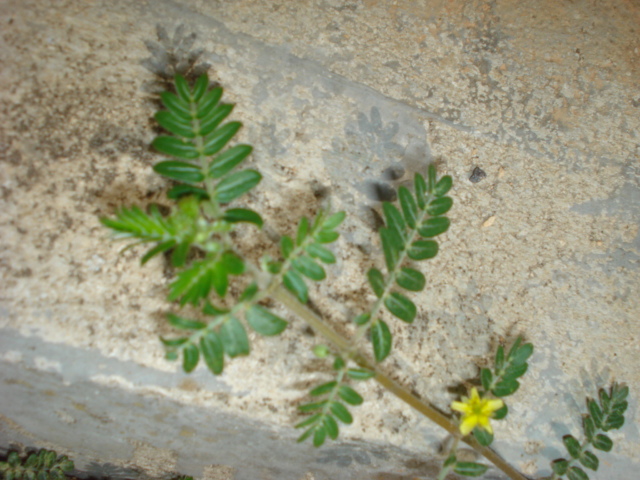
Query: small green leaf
<point>573,446</point>
<point>236,184</point>
<point>411,279</point>
<point>235,215</point>
<point>316,250</point>
<point>234,337</point>
<point>233,264</point>
<point>499,358</point>
<point>264,322</point>
<point>589,427</point>
<point>319,436</point>
<point>522,354</point>
<point>619,393</point>
<point>589,460</point>
<point>486,378</point>
<point>576,473</point>
<point>213,352</point>
<point>401,307</point>
<point>439,206</point>
<point>210,122</point>
<point>331,426</point>
<point>501,413</point>
<point>180,253</point>
<point>311,420</point>
<point>326,236</point>
<point>324,388</point>
<point>408,204</point>
<point>190,357</point>
<point>376,280</point>
<point>420,188</point>
<point>381,340</point>
<point>295,284</point>
<point>341,412</point>
<point>391,247</point>
<point>208,102</point>
<point>560,466</point>
<point>175,124</point>
<point>303,230</point>
<point>310,407</point>
<point>175,147</point>
<point>605,399</point>
<point>180,171</point>
<point>226,161</point>
<point>360,373</point>
<point>184,92</point>
<point>470,469</point>
<point>333,221</point>
<point>176,106</point>
<point>362,319</point>
<point>181,190</point>
<point>443,186</point>
<point>596,412</point>
<point>513,371</point>
<point>434,226</point>
<point>200,87</point>
<point>160,248</point>
<point>504,388</point>
<point>484,438</point>
<point>218,277</point>
<point>216,140</point>
<point>183,323</point>
<point>286,246</point>
<point>338,363</point>
<point>174,342</point>
<point>349,395</point>
<point>602,442</point>
<point>309,268</point>
<point>613,422</point>
<point>423,249</point>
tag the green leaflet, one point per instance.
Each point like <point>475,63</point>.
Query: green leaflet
<point>381,340</point>
<point>264,322</point>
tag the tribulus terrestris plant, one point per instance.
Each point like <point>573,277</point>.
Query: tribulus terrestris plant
<point>42,465</point>
<point>196,235</point>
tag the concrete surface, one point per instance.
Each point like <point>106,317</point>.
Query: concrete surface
<point>543,96</point>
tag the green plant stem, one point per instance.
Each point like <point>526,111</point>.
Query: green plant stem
<point>444,471</point>
<point>433,414</point>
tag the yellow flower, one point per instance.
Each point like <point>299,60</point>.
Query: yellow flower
<point>476,412</point>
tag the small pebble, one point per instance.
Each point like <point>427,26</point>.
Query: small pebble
<point>477,175</point>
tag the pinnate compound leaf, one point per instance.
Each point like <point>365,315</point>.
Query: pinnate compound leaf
<point>602,442</point>
<point>236,184</point>
<point>470,469</point>
<point>341,412</point>
<point>323,254</point>
<point>376,280</point>
<point>234,337</point>
<point>190,357</point>
<point>573,446</point>
<point>411,279</point>
<point>381,340</point>
<point>401,307</point>
<point>226,161</point>
<point>184,323</point>
<point>576,473</point>
<point>349,395</point>
<point>423,249</point>
<point>309,268</point>
<point>408,205</point>
<point>213,352</point>
<point>235,215</point>
<point>295,284</point>
<point>216,140</point>
<point>175,147</point>
<point>434,226</point>
<point>440,206</point>
<point>264,322</point>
